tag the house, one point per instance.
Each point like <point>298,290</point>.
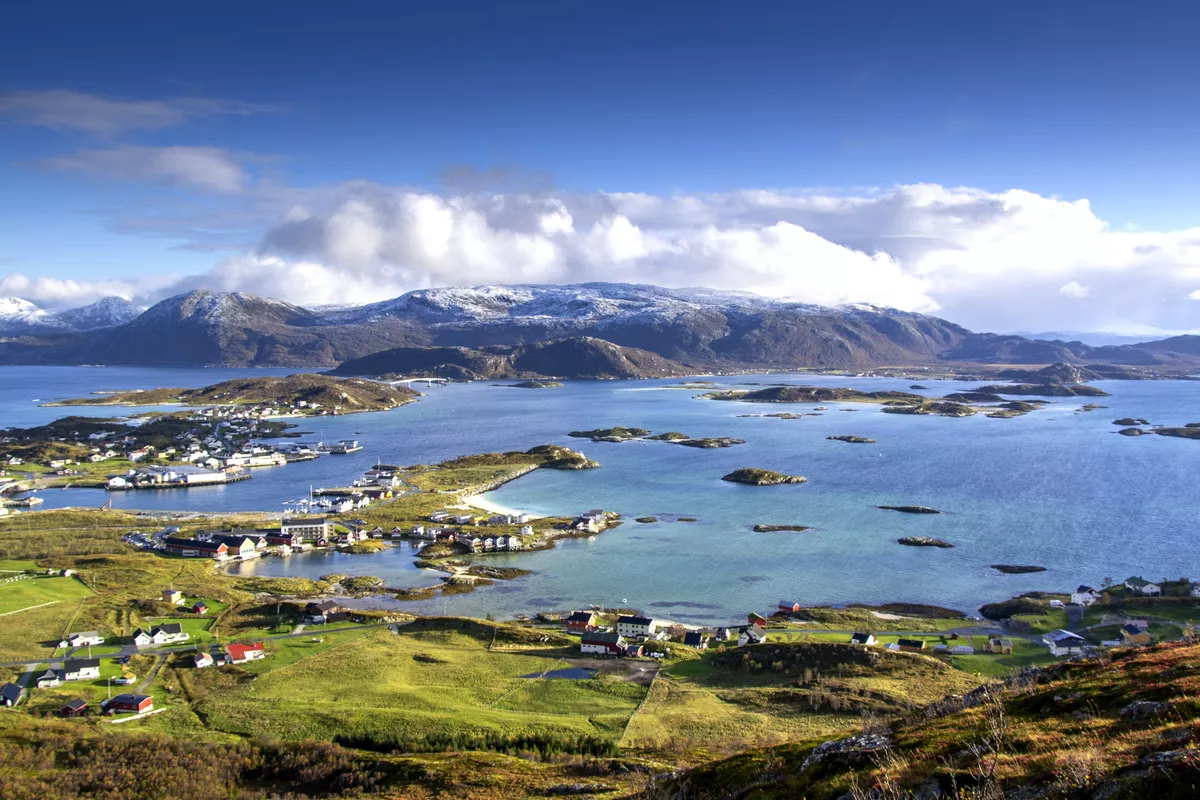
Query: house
<point>751,634</point>
<point>581,622</point>
<point>1132,634</point>
<point>634,627</point>
<point>1135,583</point>
<point>320,611</point>
<point>75,708</point>
<point>242,545</point>
<point>864,639</point>
<point>526,530</point>
<point>912,645</point>
<point>1064,643</point>
<point>195,548</point>
<point>50,679</point>
<point>1083,598</point>
<point>199,607</point>
<point>788,607</point>
<point>81,669</point>
<point>585,525</point>
<point>1196,590</point>
<point>305,527</point>
<point>757,619</point>
<point>167,633</point>
<point>725,634</point>
<point>289,539</point>
<point>999,646</point>
<point>172,596</point>
<point>1152,590</point>
<point>129,704</point>
<point>962,650</point>
<point>10,693</point>
<point>696,639</point>
<point>202,660</point>
<point>82,639</point>
<point>605,644</point>
<point>241,653</point>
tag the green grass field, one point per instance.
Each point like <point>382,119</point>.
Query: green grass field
<point>402,685</point>
<point>29,592</point>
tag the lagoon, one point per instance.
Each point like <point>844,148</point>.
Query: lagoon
<point>1057,487</point>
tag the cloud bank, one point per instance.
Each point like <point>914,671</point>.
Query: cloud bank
<point>1001,261</point>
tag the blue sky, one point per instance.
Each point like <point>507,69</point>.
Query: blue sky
<point>1059,100</point>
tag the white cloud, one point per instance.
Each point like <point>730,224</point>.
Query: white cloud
<point>1009,260</point>
<point>209,169</point>
<point>64,109</point>
<point>1074,289</point>
<point>56,293</point>
<point>1194,295</point>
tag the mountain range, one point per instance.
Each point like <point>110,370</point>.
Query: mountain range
<point>656,331</point>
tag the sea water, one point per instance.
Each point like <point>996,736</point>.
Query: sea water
<point>1056,488</point>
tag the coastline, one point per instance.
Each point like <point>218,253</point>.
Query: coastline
<point>484,503</point>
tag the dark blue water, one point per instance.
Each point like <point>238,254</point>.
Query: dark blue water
<point>1056,488</point>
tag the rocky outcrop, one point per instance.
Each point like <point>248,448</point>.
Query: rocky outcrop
<point>1017,569</point>
<point>617,434</point>
<point>761,477</point>
<point>1127,421</point>
<point>851,439</point>
<point>1133,432</point>
<point>1046,390</point>
<point>811,394</point>
<point>710,443</point>
<point>780,528</point>
<point>911,509</point>
<point>923,541</point>
<point>536,385</point>
<point>1179,433</point>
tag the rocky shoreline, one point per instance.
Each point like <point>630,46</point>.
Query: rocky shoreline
<point>753,476</point>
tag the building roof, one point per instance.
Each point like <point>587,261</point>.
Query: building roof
<point>1132,630</point>
<point>1137,581</point>
<point>754,632</point>
<point>581,616</point>
<point>240,650</point>
<point>129,699</point>
<point>631,620</point>
<point>169,627</point>
<point>602,638</point>
<point>76,664</point>
<point>297,521</point>
<point>693,638</point>
<point>324,605</point>
<point>1063,636</point>
<point>861,638</point>
<point>194,544</point>
<point>1084,589</point>
<point>78,704</point>
<point>919,643</point>
<point>10,692</point>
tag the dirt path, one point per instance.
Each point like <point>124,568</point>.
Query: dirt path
<point>141,687</point>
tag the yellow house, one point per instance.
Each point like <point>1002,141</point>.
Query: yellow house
<point>172,596</point>
<point>1000,646</point>
<point>1132,634</point>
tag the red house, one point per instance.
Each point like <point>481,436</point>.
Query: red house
<point>241,653</point>
<point>581,622</point>
<point>788,608</point>
<point>757,619</point>
<point>129,704</point>
<point>75,708</point>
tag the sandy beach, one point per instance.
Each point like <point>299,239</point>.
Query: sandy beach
<point>481,502</point>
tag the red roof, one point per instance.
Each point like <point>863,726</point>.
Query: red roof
<point>238,652</point>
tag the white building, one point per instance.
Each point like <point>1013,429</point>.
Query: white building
<point>82,639</point>
<point>634,627</point>
<point>81,669</point>
<point>1064,643</point>
<point>305,528</point>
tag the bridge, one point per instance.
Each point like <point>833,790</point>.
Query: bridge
<point>427,381</point>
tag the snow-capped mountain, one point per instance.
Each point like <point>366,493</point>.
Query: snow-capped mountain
<point>19,316</point>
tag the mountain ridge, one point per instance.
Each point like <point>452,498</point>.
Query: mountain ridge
<point>696,328</point>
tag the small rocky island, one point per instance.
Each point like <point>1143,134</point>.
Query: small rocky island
<point>761,477</point>
<point>1017,569</point>
<point>923,541</point>
<point>780,528</point>
<point>617,434</point>
<point>1127,421</point>
<point>535,385</point>
<point>623,434</point>
<point>851,439</point>
<point>911,509</point>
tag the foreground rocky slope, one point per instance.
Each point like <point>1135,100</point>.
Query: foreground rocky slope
<point>1119,726</point>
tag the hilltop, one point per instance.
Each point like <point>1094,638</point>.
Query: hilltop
<point>323,391</point>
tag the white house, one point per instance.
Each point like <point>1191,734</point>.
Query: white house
<point>634,627</point>
<point>527,530</point>
<point>751,634</point>
<point>864,639</point>
<point>1152,589</point>
<point>1078,599</point>
<point>962,650</point>
<point>168,633</point>
<point>81,669</point>
<point>305,528</point>
<point>203,659</point>
<point>82,639</point>
<point>50,679</point>
<point>1064,643</point>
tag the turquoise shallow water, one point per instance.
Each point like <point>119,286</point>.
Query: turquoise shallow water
<point>1057,488</point>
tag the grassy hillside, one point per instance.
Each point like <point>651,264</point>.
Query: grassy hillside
<point>1118,726</point>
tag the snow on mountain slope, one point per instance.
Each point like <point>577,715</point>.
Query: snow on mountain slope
<point>19,316</point>
<point>572,302</point>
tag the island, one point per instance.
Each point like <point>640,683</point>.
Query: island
<point>761,477</point>
<point>646,520</point>
<point>1091,407</point>
<point>536,385</point>
<point>1127,421</point>
<point>1017,569</point>
<point>923,541</point>
<point>1046,389</point>
<point>911,509</point>
<point>851,439</point>
<point>617,434</point>
<point>811,394</point>
<point>760,528</point>
<point>623,434</point>
<point>295,395</point>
